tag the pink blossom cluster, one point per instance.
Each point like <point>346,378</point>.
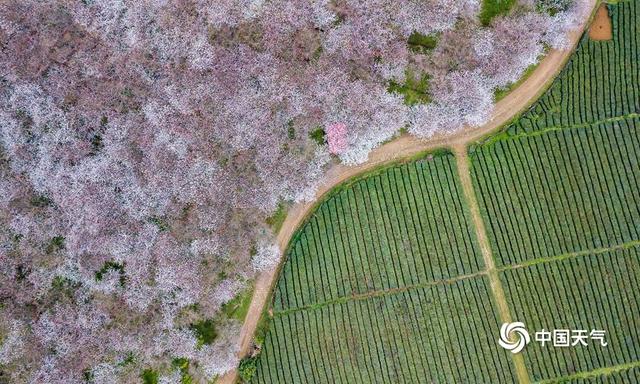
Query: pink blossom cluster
<point>337,138</point>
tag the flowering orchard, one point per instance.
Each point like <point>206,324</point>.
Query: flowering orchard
<point>144,143</point>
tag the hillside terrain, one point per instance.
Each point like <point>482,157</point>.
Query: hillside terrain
<point>388,279</point>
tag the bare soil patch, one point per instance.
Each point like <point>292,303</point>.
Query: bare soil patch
<point>601,28</point>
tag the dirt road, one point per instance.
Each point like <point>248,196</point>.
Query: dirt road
<point>402,147</point>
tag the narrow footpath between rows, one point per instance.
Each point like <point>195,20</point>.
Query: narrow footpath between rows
<point>403,147</point>
<point>464,173</point>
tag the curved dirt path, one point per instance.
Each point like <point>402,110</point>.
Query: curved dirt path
<point>402,147</point>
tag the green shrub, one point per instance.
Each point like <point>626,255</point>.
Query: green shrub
<point>111,266</point>
<point>318,135</point>
<point>247,368</point>
<point>205,331</point>
<point>420,43</point>
<point>183,365</point>
<point>56,244</point>
<point>149,376</point>
<point>415,89</point>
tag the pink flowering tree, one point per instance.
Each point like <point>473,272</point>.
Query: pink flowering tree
<point>337,138</point>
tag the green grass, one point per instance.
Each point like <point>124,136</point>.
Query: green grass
<point>56,244</point>
<point>238,307</point>
<point>151,376</point>
<point>112,266</point>
<point>41,201</point>
<point>262,329</point>
<point>276,220</point>
<point>621,374</point>
<point>493,8</point>
<point>247,369</point>
<point>182,364</point>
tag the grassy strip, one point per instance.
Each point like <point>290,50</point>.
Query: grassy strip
<point>505,135</point>
<point>598,251</point>
<point>606,371</point>
<point>501,93</point>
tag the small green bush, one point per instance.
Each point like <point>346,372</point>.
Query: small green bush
<point>205,331</point>
<point>247,368</point>
<point>318,135</point>
<point>420,43</point>
<point>415,89</point>
<point>149,376</point>
<point>56,243</point>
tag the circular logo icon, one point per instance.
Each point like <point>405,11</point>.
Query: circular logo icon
<point>508,334</point>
